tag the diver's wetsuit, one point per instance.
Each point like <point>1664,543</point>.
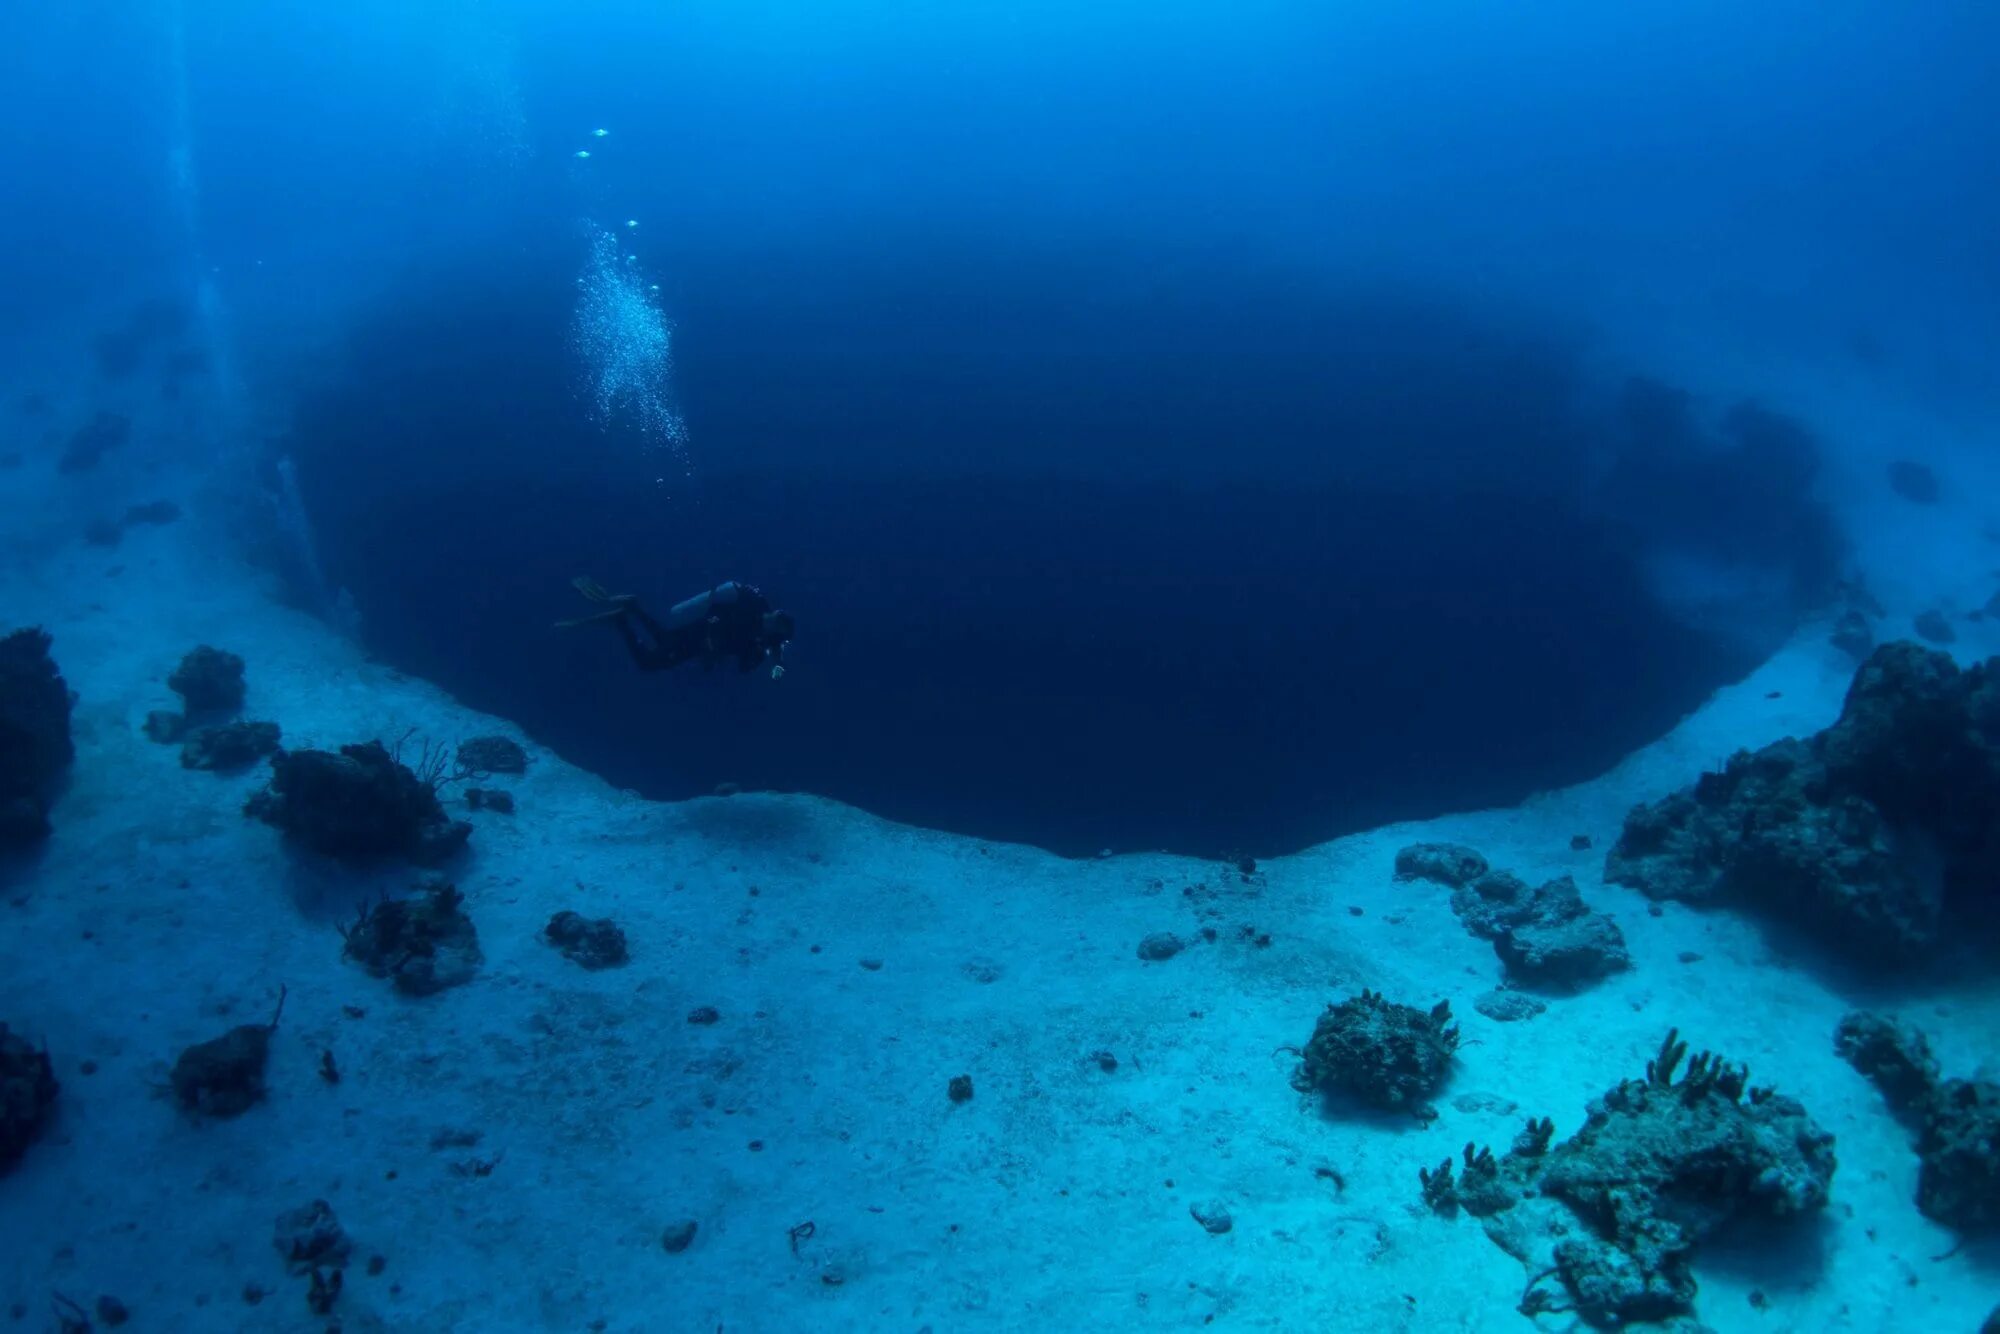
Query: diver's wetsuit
<point>731,620</point>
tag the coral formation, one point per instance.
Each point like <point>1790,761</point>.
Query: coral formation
<point>1508,1007</point>
<point>227,746</point>
<point>225,1076</point>
<point>209,680</point>
<point>423,944</point>
<point>1892,1056</point>
<point>359,803</point>
<point>1616,1212</point>
<point>591,942</point>
<point>28,1091</point>
<point>1449,864</point>
<point>1546,936</point>
<point>1380,1053</point>
<point>1871,835</point>
<point>492,755</point>
<point>35,745</point>
<point>310,1236</point>
<point>1957,1120</point>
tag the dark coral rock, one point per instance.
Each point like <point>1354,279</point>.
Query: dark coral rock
<point>1853,635</point>
<point>1893,1056</point>
<point>35,745</point>
<point>228,746</point>
<point>360,803</point>
<point>1213,1215</point>
<point>91,441</point>
<point>1494,904</point>
<point>1934,626</point>
<point>209,680</point>
<point>1611,1288</point>
<point>960,1088</point>
<point>1920,739</point>
<point>1957,1120</point>
<point>166,726</point>
<point>1545,936</point>
<point>1959,1181</point>
<point>1693,1155</point>
<point>1914,482</point>
<point>592,942</point>
<point>423,944</point>
<point>490,799</point>
<point>225,1076</point>
<point>1871,835</point>
<point>1449,864</point>
<point>1564,952</point>
<point>28,1091</point>
<point>1508,1007</point>
<point>1659,1166</point>
<point>310,1237</point>
<point>492,755</point>
<point>1381,1053</point>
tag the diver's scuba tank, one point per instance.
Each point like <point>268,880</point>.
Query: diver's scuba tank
<point>701,605</point>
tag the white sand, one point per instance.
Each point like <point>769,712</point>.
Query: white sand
<point>1058,1198</point>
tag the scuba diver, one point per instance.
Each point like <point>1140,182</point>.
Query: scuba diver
<point>731,620</point>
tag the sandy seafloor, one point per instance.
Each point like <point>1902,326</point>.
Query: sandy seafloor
<point>1057,1198</point>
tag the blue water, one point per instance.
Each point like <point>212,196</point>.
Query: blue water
<point>1012,290</point>
<point>1214,429</point>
